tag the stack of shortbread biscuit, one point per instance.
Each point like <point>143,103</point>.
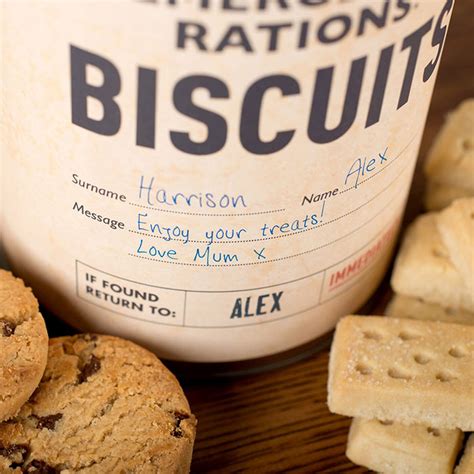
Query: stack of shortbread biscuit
<point>449,167</point>
<point>408,380</point>
<point>409,385</point>
<point>433,276</point>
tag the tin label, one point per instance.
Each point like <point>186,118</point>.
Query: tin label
<point>219,180</point>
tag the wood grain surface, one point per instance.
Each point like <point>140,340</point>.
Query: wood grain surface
<point>278,421</point>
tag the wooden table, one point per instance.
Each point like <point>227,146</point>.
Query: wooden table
<point>278,421</point>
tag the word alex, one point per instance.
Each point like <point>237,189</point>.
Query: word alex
<point>256,307</point>
<point>363,167</point>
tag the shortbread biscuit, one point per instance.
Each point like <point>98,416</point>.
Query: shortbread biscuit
<point>403,370</point>
<point>415,308</point>
<point>23,344</point>
<point>439,195</point>
<point>104,405</point>
<point>466,465</point>
<point>388,447</point>
<point>451,158</point>
<point>456,227</point>
<point>423,268</point>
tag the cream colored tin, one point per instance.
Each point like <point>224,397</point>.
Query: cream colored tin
<point>219,180</point>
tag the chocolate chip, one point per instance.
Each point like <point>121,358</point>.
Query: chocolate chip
<point>39,467</point>
<point>8,328</point>
<point>177,432</point>
<point>48,422</point>
<point>89,369</point>
<point>15,453</point>
<point>68,348</point>
<point>10,421</point>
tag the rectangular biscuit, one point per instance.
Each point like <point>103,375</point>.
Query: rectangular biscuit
<point>403,370</point>
<point>451,157</point>
<point>423,268</point>
<point>401,306</point>
<point>399,449</point>
<point>466,465</point>
<point>456,227</point>
<point>439,195</point>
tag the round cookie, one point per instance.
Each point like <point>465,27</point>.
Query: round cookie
<point>23,344</point>
<point>104,405</point>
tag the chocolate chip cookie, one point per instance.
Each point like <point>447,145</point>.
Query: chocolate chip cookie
<point>104,405</point>
<point>23,344</point>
